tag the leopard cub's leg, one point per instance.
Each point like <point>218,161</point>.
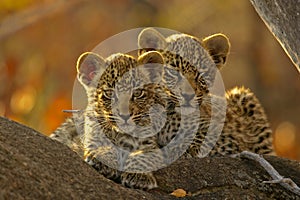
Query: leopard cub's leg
<point>144,181</point>
<point>135,180</point>
<point>70,133</point>
<point>129,161</point>
<point>138,169</point>
<point>104,169</point>
<point>141,162</point>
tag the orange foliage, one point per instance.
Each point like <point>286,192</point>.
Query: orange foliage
<point>54,114</point>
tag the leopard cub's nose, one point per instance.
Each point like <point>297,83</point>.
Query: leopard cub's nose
<point>188,97</point>
<point>125,117</point>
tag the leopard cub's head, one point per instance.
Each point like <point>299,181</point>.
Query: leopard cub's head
<point>124,91</point>
<point>191,63</point>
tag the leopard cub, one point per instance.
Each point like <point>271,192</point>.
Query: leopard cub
<point>144,113</point>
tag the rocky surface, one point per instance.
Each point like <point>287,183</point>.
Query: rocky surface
<point>32,166</point>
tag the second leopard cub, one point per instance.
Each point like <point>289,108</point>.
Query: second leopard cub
<point>246,127</point>
<point>131,118</point>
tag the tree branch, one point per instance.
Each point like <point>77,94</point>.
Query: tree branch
<point>283,19</point>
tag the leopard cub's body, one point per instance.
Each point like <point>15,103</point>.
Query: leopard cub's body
<point>141,119</point>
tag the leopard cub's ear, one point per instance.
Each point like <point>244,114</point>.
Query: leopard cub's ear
<point>89,65</point>
<point>153,64</point>
<point>150,39</point>
<point>218,47</point>
<point>151,57</point>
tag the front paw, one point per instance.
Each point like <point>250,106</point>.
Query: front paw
<point>145,181</point>
<point>102,168</point>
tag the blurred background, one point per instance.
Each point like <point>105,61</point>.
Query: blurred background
<point>40,42</point>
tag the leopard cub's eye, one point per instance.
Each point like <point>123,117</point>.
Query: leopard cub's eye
<point>138,93</point>
<point>173,72</point>
<point>108,93</point>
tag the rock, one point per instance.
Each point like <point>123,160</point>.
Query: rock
<point>32,166</point>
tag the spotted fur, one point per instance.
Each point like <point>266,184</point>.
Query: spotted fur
<point>165,112</point>
<point>245,123</point>
<point>118,131</point>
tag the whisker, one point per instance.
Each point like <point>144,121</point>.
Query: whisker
<point>71,111</point>
<point>113,117</point>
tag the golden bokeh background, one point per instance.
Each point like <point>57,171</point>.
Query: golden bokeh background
<point>40,42</point>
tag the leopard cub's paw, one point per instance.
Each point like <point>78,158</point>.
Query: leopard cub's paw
<point>145,181</point>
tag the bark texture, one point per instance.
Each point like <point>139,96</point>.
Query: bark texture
<point>282,17</point>
<point>32,166</point>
